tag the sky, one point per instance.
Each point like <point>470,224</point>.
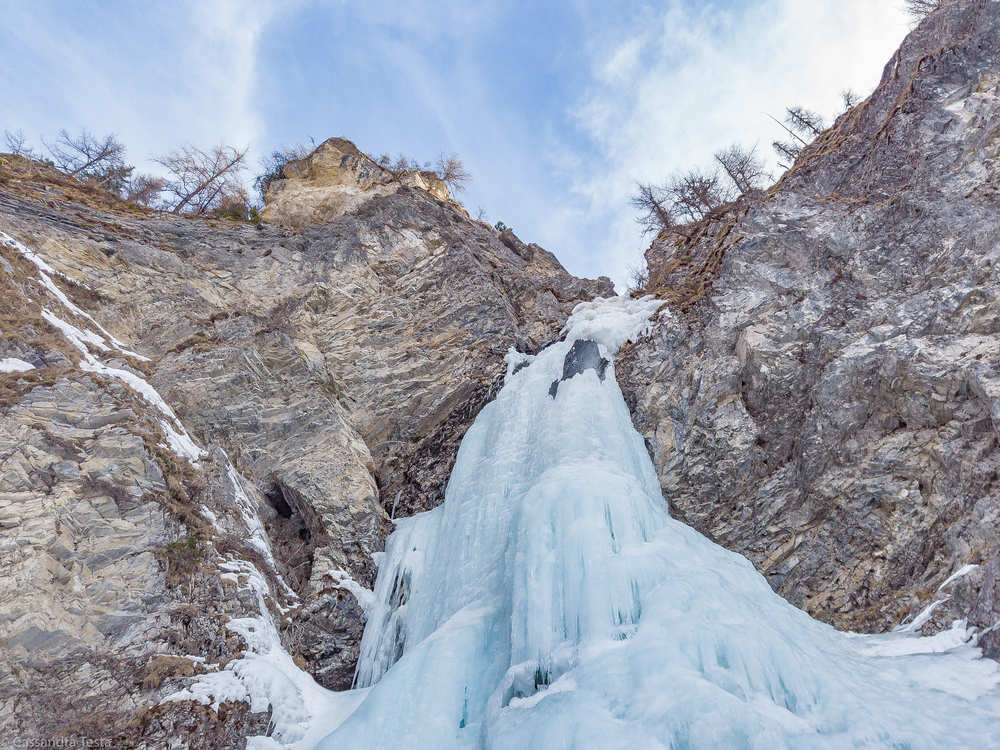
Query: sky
<point>558,109</point>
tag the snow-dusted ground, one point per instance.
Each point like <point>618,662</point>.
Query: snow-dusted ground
<point>302,712</point>
<point>552,602</point>
<point>86,341</point>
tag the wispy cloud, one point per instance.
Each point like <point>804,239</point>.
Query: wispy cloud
<point>557,108</point>
<point>156,76</point>
<point>695,78</point>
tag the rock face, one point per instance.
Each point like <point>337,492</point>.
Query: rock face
<point>826,399</point>
<point>331,372</point>
<point>583,355</point>
<point>110,573</point>
<point>337,178</point>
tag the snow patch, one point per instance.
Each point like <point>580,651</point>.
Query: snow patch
<point>342,580</point>
<point>46,272</point>
<point>76,337</point>
<point>212,518</point>
<point>963,571</point>
<point>13,364</point>
<point>922,616</point>
<point>258,537</point>
<point>178,439</point>
<point>611,321</point>
<point>266,676</point>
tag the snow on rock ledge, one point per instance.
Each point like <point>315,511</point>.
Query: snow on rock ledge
<point>83,339</point>
<point>611,321</point>
<point>13,364</point>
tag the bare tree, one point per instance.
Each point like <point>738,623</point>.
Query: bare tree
<point>803,126</point>
<point>684,198</point>
<point>200,180</point>
<point>17,144</point>
<point>99,159</point>
<point>143,189</point>
<point>850,98</point>
<point>694,193</point>
<point>655,210</point>
<point>787,152</point>
<point>918,9</point>
<point>804,121</point>
<point>452,171</point>
<point>743,167</point>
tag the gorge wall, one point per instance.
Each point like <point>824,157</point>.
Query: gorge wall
<point>825,398</point>
<point>330,370</point>
<point>828,401</point>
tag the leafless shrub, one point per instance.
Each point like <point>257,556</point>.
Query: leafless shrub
<point>201,180</point>
<point>144,189</point>
<point>850,98</point>
<point>451,170</point>
<point>101,160</point>
<point>401,165</point>
<point>235,205</point>
<point>743,167</point>
<point>274,164</point>
<point>16,143</point>
<point>918,9</point>
<point>638,278</point>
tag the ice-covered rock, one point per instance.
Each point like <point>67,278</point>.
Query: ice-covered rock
<point>551,601</point>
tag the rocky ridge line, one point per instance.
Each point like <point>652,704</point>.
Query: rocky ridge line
<point>828,402</point>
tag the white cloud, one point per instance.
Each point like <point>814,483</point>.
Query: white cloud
<point>696,79</point>
<point>665,87</point>
<point>161,77</point>
<point>221,55</point>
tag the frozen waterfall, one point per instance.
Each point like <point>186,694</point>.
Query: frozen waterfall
<point>551,602</point>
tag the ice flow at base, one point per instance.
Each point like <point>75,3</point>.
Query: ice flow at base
<point>551,602</point>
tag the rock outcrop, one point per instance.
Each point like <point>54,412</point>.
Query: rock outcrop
<point>337,178</point>
<point>330,371</point>
<point>826,398</point>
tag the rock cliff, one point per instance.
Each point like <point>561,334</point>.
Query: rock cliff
<point>826,400</point>
<point>329,368</point>
<point>205,421</point>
